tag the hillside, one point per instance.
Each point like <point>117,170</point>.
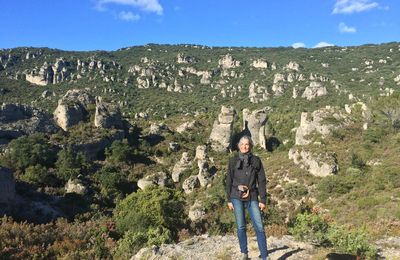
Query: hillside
<point>95,142</point>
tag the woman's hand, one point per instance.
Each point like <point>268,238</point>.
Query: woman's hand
<point>261,205</point>
<point>230,205</point>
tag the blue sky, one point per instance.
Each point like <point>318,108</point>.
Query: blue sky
<point>113,24</point>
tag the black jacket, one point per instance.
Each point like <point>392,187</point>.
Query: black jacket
<point>257,181</point>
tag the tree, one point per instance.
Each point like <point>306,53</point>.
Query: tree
<point>70,164</point>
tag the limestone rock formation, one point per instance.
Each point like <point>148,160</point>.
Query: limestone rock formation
<point>17,120</point>
<point>181,58</point>
<point>201,152</point>
<point>190,184</point>
<point>254,122</point>
<point>186,126</point>
<point>107,115</point>
<point>183,164</point>
<point>292,66</point>
<point>319,164</point>
<point>257,93</point>
<point>260,64</point>
<point>158,179</point>
<point>7,186</point>
<point>221,132</point>
<point>42,77</point>
<point>75,186</point>
<point>71,108</point>
<point>314,90</point>
<point>321,121</point>
<point>227,62</point>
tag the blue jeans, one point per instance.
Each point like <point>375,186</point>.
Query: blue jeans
<point>256,219</point>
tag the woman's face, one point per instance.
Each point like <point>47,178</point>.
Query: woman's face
<point>244,146</point>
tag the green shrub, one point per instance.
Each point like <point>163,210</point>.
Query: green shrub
<point>28,151</point>
<point>113,182</point>
<point>152,216</point>
<point>37,174</point>
<point>311,227</point>
<point>70,164</point>
<point>119,152</point>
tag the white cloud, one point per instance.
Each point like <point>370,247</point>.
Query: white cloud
<point>298,45</point>
<point>343,28</point>
<point>353,6</point>
<point>128,16</point>
<point>323,44</point>
<point>147,5</point>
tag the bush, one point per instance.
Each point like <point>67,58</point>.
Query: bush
<point>154,212</point>
<point>113,182</point>
<point>37,174</point>
<point>311,227</point>
<point>70,164</point>
<point>119,152</point>
<point>28,151</point>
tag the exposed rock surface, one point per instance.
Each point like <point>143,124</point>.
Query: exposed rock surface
<point>196,212</point>
<point>321,121</point>
<point>183,164</point>
<point>254,122</point>
<point>71,108</point>
<point>221,132</point>
<point>260,64</point>
<point>190,184</point>
<point>228,62</point>
<point>185,126</point>
<point>7,186</point>
<point>75,186</point>
<point>158,179</point>
<point>17,120</point>
<point>315,89</point>
<point>257,93</point>
<point>107,115</point>
<point>319,164</point>
<point>227,247</point>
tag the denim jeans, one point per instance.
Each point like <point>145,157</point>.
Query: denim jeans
<point>256,219</point>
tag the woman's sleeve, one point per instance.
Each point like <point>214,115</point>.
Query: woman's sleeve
<point>262,184</point>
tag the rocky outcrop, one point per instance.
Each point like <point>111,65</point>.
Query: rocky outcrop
<point>7,186</point>
<point>228,62</point>
<point>183,164</point>
<point>315,89</point>
<point>254,123</point>
<point>257,93</point>
<point>107,115</point>
<point>190,184</point>
<point>71,108</point>
<point>155,179</point>
<point>292,66</point>
<point>181,58</point>
<point>42,77</point>
<point>221,132</point>
<point>17,120</point>
<point>75,186</point>
<point>260,64</point>
<point>321,121</point>
<point>319,164</point>
<point>186,126</point>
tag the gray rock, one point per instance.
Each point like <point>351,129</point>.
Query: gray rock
<point>173,147</point>
<point>196,212</point>
<point>201,152</point>
<point>254,122</point>
<point>107,115</point>
<point>314,90</point>
<point>221,132</point>
<point>319,164</point>
<point>183,164</point>
<point>155,179</point>
<point>190,184</point>
<point>75,186</point>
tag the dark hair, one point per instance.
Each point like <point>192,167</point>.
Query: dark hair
<point>248,138</point>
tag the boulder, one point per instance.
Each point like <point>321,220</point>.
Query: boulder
<point>260,64</point>
<point>201,152</point>
<point>321,121</point>
<point>158,179</point>
<point>190,184</point>
<point>227,62</point>
<point>257,93</point>
<point>7,186</point>
<point>185,126</point>
<point>75,186</point>
<point>107,115</point>
<point>254,122</point>
<point>204,175</point>
<point>173,146</point>
<point>319,164</point>
<point>183,164</point>
<point>314,90</point>
<point>221,132</point>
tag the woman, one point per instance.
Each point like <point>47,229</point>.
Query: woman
<point>245,181</point>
